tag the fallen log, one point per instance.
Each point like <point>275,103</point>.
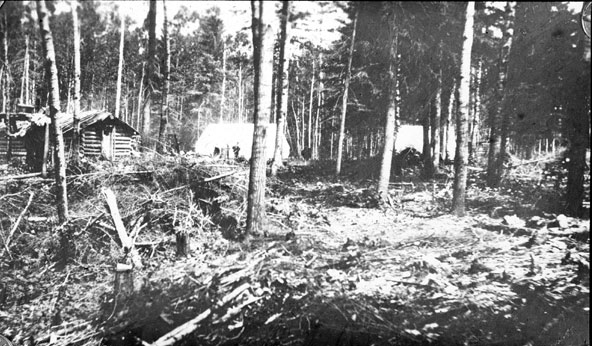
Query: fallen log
<point>16,224</point>
<point>21,176</point>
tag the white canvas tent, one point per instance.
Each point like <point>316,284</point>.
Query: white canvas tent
<point>411,136</point>
<point>226,136</point>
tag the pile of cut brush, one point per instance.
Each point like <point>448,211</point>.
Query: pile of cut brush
<point>73,283</point>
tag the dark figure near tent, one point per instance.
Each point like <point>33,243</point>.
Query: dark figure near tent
<point>306,153</point>
<point>236,150</point>
<point>216,151</point>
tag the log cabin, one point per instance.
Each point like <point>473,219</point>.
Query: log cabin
<point>102,135</point>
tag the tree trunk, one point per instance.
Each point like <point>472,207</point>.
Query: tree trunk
<point>54,109</point>
<point>497,140</point>
<point>6,89</point>
<point>119,68</point>
<point>450,124</point>
<point>344,104</point>
<point>391,117</point>
<point>310,103</point>
<point>283,86</point>
<point>579,138</point>
<point>164,109</point>
<point>435,125</point>
<point>263,36</point>
<point>460,160</point>
<point>428,169</point>
<point>150,57</point>
<point>22,99</point>
<point>223,91</point>
<point>141,91</point>
<point>240,92</point>
<point>476,106</point>
<point>76,116</point>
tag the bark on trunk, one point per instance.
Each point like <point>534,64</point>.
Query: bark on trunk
<point>263,35</point>
<point>344,104</point>
<point>460,160</point>
<point>150,56</point>
<point>120,68</point>
<point>428,169</point>
<point>76,117</point>
<point>391,116</point>
<point>223,91</point>
<point>164,109</point>
<point>499,120</point>
<point>54,109</point>
<point>435,125</point>
<point>283,86</point>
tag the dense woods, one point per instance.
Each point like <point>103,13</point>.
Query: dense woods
<point>332,172</point>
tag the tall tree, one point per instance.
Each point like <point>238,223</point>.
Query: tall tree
<point>498,120</point>
<point>391,115</point>
<point>578,107</point>
<point>283,82</point>
<point>345,91</point>
<point>262,14</point>
<point>164,109</point>
<point>120,67</point>
<point>76,115</point>
<point>150,62</point>
<point>460,160</point>
<point>51,73</point>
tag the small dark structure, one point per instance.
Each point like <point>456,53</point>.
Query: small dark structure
<point>101,135</point>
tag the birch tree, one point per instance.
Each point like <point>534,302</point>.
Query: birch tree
<point>120,67</point>
<point>344,104</point>
<point>150,56</point>
<point>460,160</point>
<point>391,116</point>
<point>496,141</point>
<point>283,86</point>
<point>262,12</point>
<point>76,98</point>
<point>51,73</point>
<point>164,109</point>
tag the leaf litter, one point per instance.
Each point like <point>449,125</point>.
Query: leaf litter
<point>337,266</point>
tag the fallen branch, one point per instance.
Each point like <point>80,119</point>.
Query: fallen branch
<point>21,176</point>
<point>190,326</point>
<point>218,177</point>
<point>16,224</point>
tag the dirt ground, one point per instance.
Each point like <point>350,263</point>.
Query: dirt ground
<point>336,266</point>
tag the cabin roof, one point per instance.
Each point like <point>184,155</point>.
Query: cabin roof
<point>90,117</point>
<point>66,120</point>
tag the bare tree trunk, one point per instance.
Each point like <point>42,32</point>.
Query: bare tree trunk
<point>54,109</point>
<point>263,36</point>
<point>499,121</point>
<point>150,57</point>
<point>120,68</point>
<point>310,103</point>
<point>391,116</point>
<point>435,125</point>
<point>223,91</point>
<point>344,104</point>
<point>76,116</point>
<point>164,109</point>
<point>450,124</point>
<point>24,77</point>
<point>140,92</point>
<point>428,169</point>
<point>240,92</point>
<point>6,89</point>
<point>460,160</point>
<point>283,86</point>
<point>474,133</point>
<point>579,136</point>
